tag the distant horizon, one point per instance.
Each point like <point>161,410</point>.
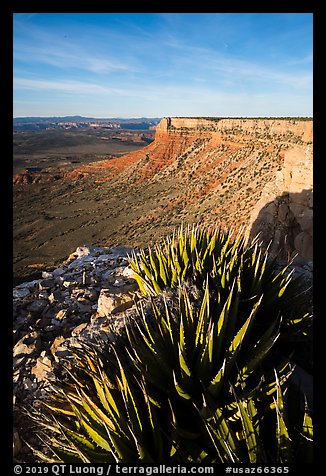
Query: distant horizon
<point>131,65</point>
<point>88,117</point>
<point>160,117</point>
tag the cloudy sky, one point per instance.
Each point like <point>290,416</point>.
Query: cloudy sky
<point>162,64</point>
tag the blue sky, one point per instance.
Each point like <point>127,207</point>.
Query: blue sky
<point>162,64</point>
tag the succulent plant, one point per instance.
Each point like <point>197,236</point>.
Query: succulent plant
<point>102,416</point>
<point>193,347</point>
<point>101,413</point>
<point>227,262</point>
<point>203,373</point>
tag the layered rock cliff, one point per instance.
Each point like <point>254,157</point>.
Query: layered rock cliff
<point>252,173</point>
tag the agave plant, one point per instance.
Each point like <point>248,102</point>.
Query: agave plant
<point>189,253</point>
<point>262,437</point>
<point>101,416</point>
<point>194,350</point>
<point>202,375</point>
<point>149,405</point>
<point>236,271</point>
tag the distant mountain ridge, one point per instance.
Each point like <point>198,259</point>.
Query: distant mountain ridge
<point>36,119</point>
<point>59,122</point>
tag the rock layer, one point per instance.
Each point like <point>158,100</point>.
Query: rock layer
<point>252,173</point>
<point>283,210</point>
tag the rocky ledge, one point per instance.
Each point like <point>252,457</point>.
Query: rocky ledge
<point>75,302</point>
<point>86,299</point>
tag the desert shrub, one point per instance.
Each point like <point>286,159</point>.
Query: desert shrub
<point>202,375</point>
<point>226,260</point>
<point>108,411</point>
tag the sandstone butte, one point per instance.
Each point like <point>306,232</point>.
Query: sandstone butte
<point>239,172</point>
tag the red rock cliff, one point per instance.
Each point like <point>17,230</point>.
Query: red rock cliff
<point>252,172</point>
<point>255,173</point>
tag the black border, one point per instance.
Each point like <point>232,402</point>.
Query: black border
<point>6,31</point>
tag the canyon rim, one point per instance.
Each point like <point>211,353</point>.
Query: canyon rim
<point>251,173</point>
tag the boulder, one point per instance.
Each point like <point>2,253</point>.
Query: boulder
<point>55,344</point>
<point>43,369</point>
<point>62,314</point>
<point>27,346</point>
<point>37,306</point>
<point>19,293</point>
<point>111,303</point>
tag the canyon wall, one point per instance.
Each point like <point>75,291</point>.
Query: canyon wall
<point>283,211</point>
<point>254,174</point>
<point>297,128</point>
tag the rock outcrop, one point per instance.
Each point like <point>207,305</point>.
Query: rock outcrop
<point>85,299</point>
<point>283,207</point>
<point>46,176</point>
<point>284,212</point>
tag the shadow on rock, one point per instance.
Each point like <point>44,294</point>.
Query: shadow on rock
<point>287,222</point>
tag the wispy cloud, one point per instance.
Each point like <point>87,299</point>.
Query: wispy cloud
<point>226,67</point>
<point>72,58</point>
<point>36,45</point>
<point>183,95</point>
<point>166,54</point>
<point>252,71</point>
<point>75,87</point>
<point>152,102</point>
